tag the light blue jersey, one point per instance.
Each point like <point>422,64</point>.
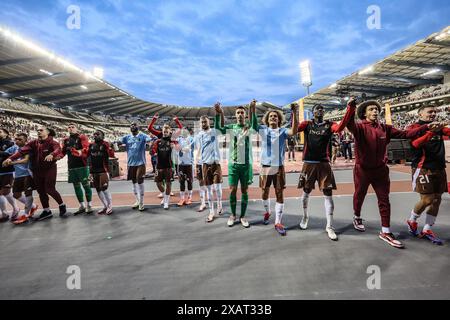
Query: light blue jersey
<point>186,152</point>
<point>20,170</point>
<point>135,146</point>
<point>208,143</point>
<point>273,145</point>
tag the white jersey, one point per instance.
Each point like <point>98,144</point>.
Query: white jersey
<point>186,152</point>
<point>208,142</point>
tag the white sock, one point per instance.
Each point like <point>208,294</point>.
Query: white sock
<point>429,222</point>
<point>190,194</point>
<point>210,197</point>
<point>108,198</point>
<point>82,205</point>
<point>329,209</point>
<point>266,204</point>
<point>182,195</point>
<point>166,198</point>
<point>3,204</point>
<point>28,204</point>
<point>102,198</point>
<point>278,212</point>
<point>385,230</point>
<point>218,188</point>
<point>135,191</point>
<point>12,201</point>
<point>305,200</point>
<point>141,193</point>
<point>22,199</point>
<point>202,195</point>
<point>89,203</point>
<point>414,216</point>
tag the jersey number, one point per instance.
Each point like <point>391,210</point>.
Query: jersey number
<point>422,179</point>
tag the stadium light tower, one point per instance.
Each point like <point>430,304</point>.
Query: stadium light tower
<point>305,73</point>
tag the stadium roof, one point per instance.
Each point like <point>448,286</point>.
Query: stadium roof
<point>34,74</point>
<point>422,63</point>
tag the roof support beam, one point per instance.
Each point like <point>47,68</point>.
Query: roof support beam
<point>121,106</point>
<point>137,110</point>
<point>126,110</point>
<point>414,81</point>
<point>146,113</point>
<point>70,95</point>
<point>27,78</point>
<point>18,61</point>
<point>100,106</point>
<point>78,102</point>
<point>443,67</point>
<point>23,92</point>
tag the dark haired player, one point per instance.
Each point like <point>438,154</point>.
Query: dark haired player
<point>429,178</point>
<point>371,140</point>
<point>23,185</point>
<point>98,154</point>
<point>44,152</point>
<point>316,162</point>
<point>74,146</point>
<point>135,144</point>
<point>6,178</point>
<point>163,176</point>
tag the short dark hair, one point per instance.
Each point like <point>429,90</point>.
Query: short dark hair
<point>425,106</point>
<point>361,111</point>
<point>22,134</point>
<point>51,132</point>
<point>317,106</point>
<point>241,107</point>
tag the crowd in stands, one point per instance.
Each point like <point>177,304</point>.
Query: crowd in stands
<point>401,120</point>
<point>424,93</point>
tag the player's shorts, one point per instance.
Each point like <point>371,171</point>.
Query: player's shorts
<point>320,172</point>
<point>23,184</point>
<point>425,181</point>
<point>272,175</point>
<point>100,181</point>
<point>212,173</point>
<point>163,175</point>
<point>78,175</point>
<point>240,172</point>
<point>6,180</point>
<point>136,173</point>
<point>185,172</point>
<point>199,175</point>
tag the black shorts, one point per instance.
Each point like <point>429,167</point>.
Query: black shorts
<point>426,181</point>
<point>100,181</point>
<point>272,175</point>
<point>23,184</point>
<point>199,175</point>
<point>164,175</point>
<point>136,173</point>
<point>185,173</point>
<point>320,172</point>
<point>6,180</point>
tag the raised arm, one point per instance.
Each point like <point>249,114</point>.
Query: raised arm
<point>219,121</point>
<point>349,115</point>
<point>351,109</point>
<point>252,115</point>
<point>294,127</point>
<point>153,130</point>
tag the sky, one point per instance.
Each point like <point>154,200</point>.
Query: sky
<point>194,53</point>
